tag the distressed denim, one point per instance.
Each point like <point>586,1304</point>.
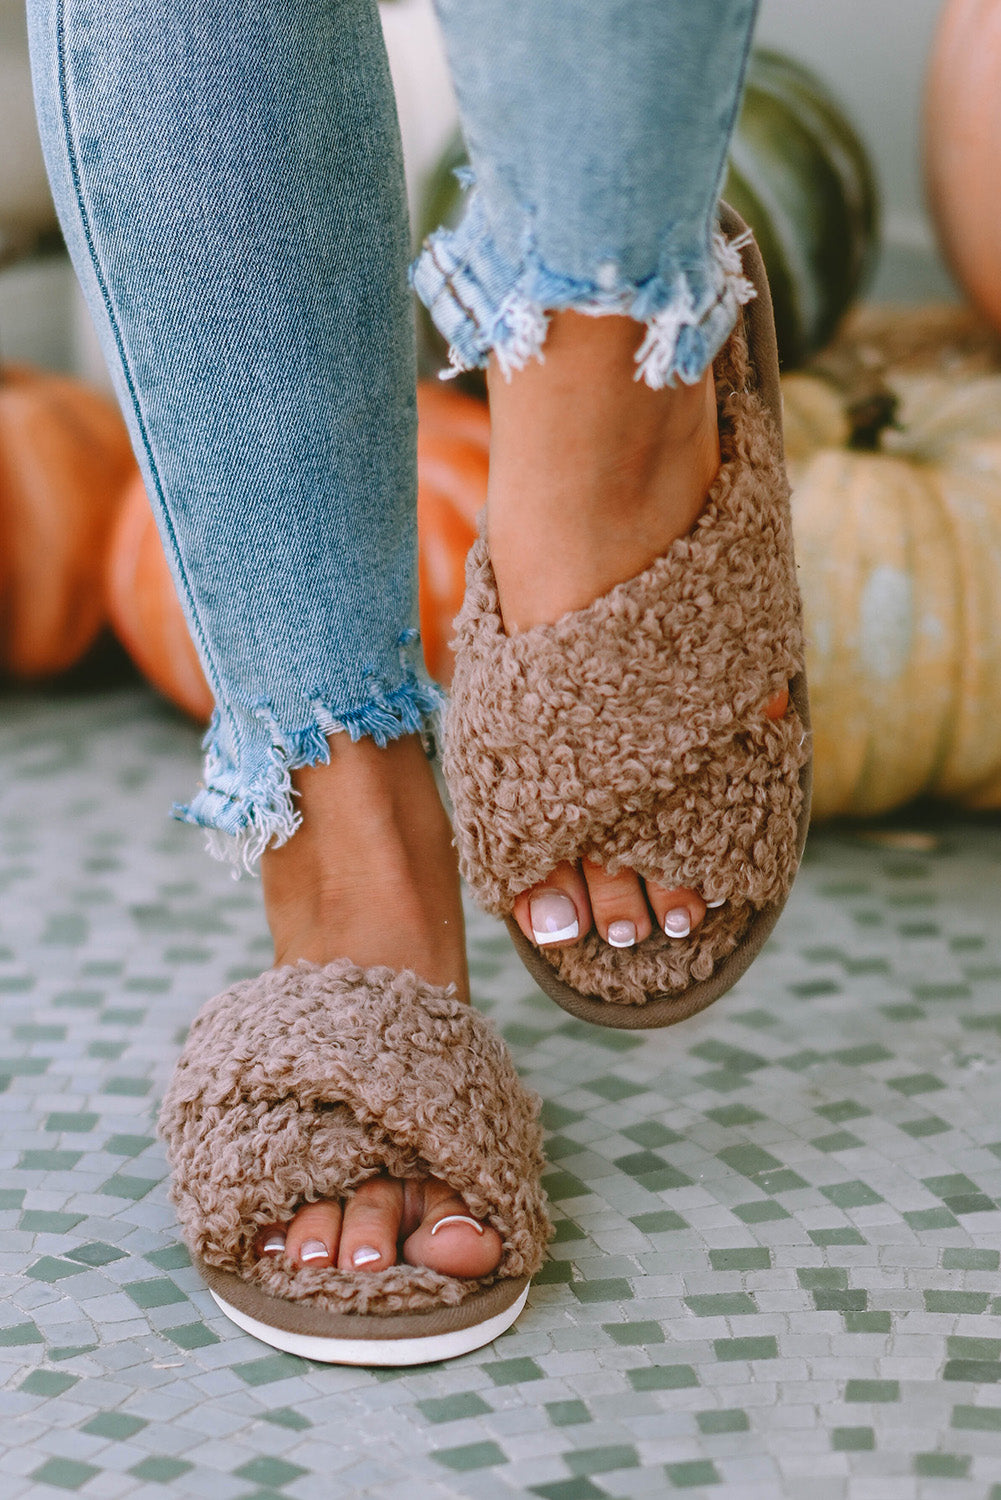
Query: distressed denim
<point>229,181</point>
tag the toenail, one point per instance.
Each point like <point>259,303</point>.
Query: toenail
<point>621,934</point>
<point>365,1255</point>
<point>273,1245</point>
<point>712,905</point>
<point>456,1219</point>
<point>554,919</point>
<point>678,923</point>
<point>313,1250</point>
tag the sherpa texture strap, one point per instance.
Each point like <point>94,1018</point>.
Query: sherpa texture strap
<point>302,1083</point>
<point>633,731</point>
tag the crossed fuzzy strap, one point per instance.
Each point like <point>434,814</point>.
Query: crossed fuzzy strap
<point>302,1083</point>
<point>633,731</point>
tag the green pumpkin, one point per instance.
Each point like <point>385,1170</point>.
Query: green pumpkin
<point>800,177</point>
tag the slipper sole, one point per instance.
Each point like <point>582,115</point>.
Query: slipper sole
<point>394,1339</point>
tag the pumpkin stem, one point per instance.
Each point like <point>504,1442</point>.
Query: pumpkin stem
<point>867,401</point>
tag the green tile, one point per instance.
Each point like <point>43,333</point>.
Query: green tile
<point>78,999</point>
<point>23,1067</point>
<point>613,1088</point>
<point>814,1278</point>
<point>696,1472</point>
<point>49,1160</point>
<point>929,1125</point>
<point>942,1465</point>
<point>269,1471</point>
<point>567,1413</point>
<point>812,989</point>
<point>556,1116</point>
<point>731,1419</point>
<point>659,1222</point>
<point>132,1188</point>
<point>160,1470</point>
<point>958,1346</point>
<point>956,1302</point>
<point>735,1059</point>
<point>853,1439</point>
<point>453,1408</point>
<point>930,1218</point>
<point>973,1371</point>
<point>868,1322</point>
<point>840,1140</point>
<point>915,1083</point>
<point>513,1371</point>
<point>566,1231</point>
<point>11,1198</point>
<point>855,1194</point>
<point>117,1016</point>
<point>69,1351</point>
<point>652,1172</point>
<point>287,1416</point>
<point>51,1268</point>
<point>568,1489</point>
<point>841,1110</point>
<point>760,1212</point>
<point>114,1424</point>
<point>746,1348</point>
<point>602,1460</point>
<point>611,1289</point>
<point>749,1160</point>
<point>970,1258</point>
<point>862,1056</point>
<point>269,1369</point>
<point>872,1390</point>
<point>841,1301</point>
<point>629,1334</point>
<point>721,1304</point>
<point>651,1133</point>
<point>64,1473</point>
<point>47,1383</point>
<point>131,1088</point>
<point>730,1115</point>
<point>17,1334</point>
<point>741,1258</point>
<point>471,1456</point>
<point>47,1221</point>
<point>662,1378</point>
<point>903,1013</point>
<point>977,1418</point>
<point>970,1203</point>
<point>29,1031</point>
<point>561,1185</point>
<point>843,1236</point>
<point>191,1336</point>
<point>96,1254</point>
<point>554,1273</point>
<point>949,1185</point>
<point>127,1145</point>
<point>160,1292</point>
<point>76,1121</point>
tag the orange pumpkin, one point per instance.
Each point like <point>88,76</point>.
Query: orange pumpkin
<point>962,145</point>
<point>452,449</point>
<point>64,457</point>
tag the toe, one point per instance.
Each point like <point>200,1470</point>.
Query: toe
<point>449,1239</point>
<point>677,911</point>
<point>312,1237</point>
<point>557,911</point>
<point>618,905</point>
<point>372,1218</point>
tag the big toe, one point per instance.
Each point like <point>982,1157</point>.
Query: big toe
<point>557,911</point>
<point>449,1238</point>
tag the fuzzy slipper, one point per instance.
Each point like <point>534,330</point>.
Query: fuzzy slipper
<point>304,1082</point>
<point>633,731</point>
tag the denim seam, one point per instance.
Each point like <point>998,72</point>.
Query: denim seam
<point>85,223</point>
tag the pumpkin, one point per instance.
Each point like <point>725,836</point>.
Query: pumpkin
<point>899,552</point>
<point>962,146</point>
<point>64,458</point>
<point>452,450</point>
<point>798,174</point>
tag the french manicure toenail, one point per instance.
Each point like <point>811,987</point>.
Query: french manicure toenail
<point>554,919</point>
<point>313,1250</point>
<point>621,934</point>
<point>365,1255</point>
<point>712,905</point>
<point>678,923</point>
<point>456,1219</point>
<point>273,1245</point>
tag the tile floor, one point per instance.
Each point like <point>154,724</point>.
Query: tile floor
<point>776,1271</point>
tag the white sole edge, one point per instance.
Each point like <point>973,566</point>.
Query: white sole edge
<point>377,1352</point>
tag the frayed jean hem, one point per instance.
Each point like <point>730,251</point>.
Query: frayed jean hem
<point>249,807</point>
<point>483,304</point>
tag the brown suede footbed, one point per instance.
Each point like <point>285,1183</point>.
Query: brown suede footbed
<point>633,732</point>
<point>302,1083</point>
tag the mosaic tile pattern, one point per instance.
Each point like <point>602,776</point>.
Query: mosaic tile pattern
<point>776,1270</point>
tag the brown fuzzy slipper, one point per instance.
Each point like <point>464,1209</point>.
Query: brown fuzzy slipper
<point>304,1082</point>
<point>633,732</point>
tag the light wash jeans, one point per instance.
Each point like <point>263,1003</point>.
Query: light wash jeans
<point>229,180</point>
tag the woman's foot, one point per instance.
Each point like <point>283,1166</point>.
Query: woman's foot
<point>592,476</point>
<point>371,876</point>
